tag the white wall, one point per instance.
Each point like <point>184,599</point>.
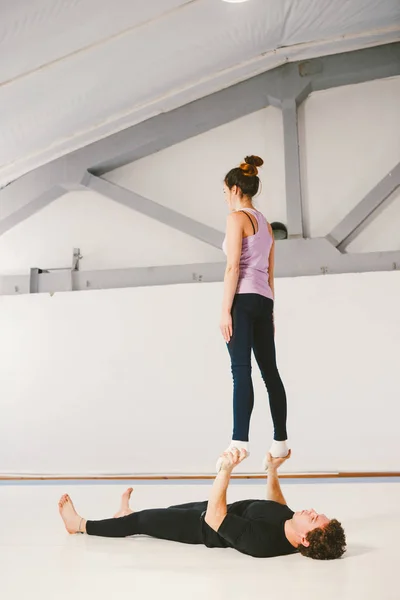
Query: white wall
<point>349,141</point>
<point>138,380</point>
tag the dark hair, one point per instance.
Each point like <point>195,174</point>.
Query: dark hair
<point>326,543</point>
<point>245,176</point>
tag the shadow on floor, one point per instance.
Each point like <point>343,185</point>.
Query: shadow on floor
<point>358,550</point>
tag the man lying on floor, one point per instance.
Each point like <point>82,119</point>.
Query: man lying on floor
<point>259,528</point>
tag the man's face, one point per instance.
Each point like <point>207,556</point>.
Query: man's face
<point>307,520</point>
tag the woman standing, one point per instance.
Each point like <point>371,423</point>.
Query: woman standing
<point>247,321</point>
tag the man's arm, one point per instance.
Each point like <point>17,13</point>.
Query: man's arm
<point>216,509</point>
<point>274,491</point>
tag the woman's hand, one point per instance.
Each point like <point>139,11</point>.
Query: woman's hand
<point>226,326</point>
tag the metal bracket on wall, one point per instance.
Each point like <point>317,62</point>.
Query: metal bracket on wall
<point>76,257</point>
<point>60,279</point>
<point>34,281</point>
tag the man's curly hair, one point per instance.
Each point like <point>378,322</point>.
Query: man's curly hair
<point>326,543</point>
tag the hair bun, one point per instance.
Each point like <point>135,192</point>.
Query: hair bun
<point>249,167</point>
<point>256,161</point>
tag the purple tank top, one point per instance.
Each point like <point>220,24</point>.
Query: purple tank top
<point>254,260</point>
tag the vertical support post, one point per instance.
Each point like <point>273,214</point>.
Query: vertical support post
<point>34,281</point>
<point>76,257</point>
<point>292,169</point>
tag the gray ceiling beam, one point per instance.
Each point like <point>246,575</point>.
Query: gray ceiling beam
<point>308,257</point>
<point>200,116</point>
<point>294,210</point>
<point>31,185</point>
<point>365,211</point>
<point>351,68</point>
<point>294,258</point>
<point>156,211</point>
<point>31,207</point>
<point>149,276</point>
<point>60,281</point>
<point>239,100</point>
<point>14,285</point>
<point>294,90</point>
<point>180,124</point>
<point>30,193</point>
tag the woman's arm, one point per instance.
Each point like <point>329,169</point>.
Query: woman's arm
<point>234,238</point>
<point>271,265</point>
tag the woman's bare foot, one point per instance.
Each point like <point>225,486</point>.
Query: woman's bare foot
<point>71,519</point>
<point>124,509</point>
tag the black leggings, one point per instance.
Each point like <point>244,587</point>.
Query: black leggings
<point>180,523</point>
<point>253,329</point>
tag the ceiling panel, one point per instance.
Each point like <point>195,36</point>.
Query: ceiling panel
<point>73,71</point>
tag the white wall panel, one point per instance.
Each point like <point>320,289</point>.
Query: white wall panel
<point>138,380</point>
<point>349,141</point>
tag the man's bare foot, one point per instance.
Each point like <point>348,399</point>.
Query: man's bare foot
<point>69,515</point>
<point>124,509</point>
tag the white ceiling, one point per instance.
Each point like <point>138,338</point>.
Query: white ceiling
<point>73,71</point>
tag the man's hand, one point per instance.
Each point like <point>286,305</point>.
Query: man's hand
<point>217,508</point>
<point>275,463</point>
<point>274,491</point>
<point>232,459</point>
